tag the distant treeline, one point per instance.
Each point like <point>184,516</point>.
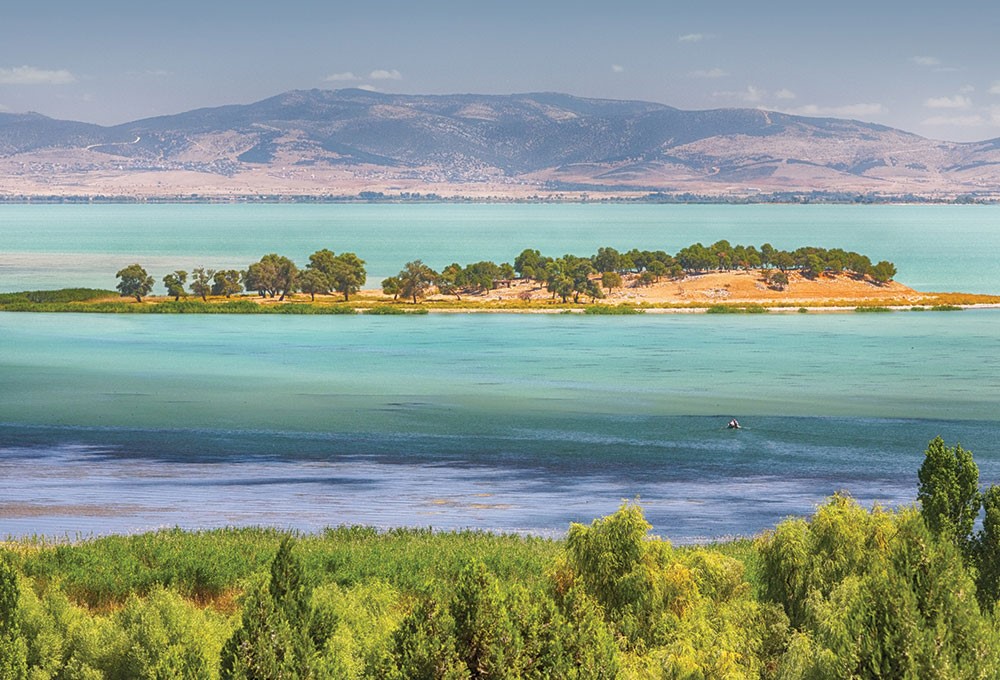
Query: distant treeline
<point>567,276</point>
<point>849,593</point>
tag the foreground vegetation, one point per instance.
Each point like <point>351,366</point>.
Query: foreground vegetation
<point>849,593</point>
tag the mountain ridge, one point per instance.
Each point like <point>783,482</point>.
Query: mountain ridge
<point>343,142</point>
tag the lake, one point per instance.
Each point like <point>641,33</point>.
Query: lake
<point>501,422</point>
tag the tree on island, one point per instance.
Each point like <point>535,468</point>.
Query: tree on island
<point>273,275</point>
<point>314,281</point>
<point>201,282</point>
<point>415,279</point>
<point>391,285</point>
<point>174,284</point>
<point>450,280</point>
<point>344,273</point>
<point>883,272</point>
<point>348,274</point>
<point>135,282</point>
<point>227,282</point>
<point>611,280</point>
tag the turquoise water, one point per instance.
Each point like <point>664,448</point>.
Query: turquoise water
<point>500,422</point>
<point>509,422</point>
<point>936,248</point>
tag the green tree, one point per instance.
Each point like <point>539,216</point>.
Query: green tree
<point>273,275</point>
<point>486,638</point>
<point>949,492</point>
<point>883,272</point>
<point>530,264</point>
<point>313,281</point>
<point>274,640</point>
<point>348,275</point>
<point>988,551</point>
<point>345,272</point>
<point>322,260</point>
<point>451,280</point>
<point>874,595</point>
<point>611,280</point>
<point>167,637</point>
<point>227,282</point>
<point>175,284</point>
<point>13,649</point>
<point>415,279</point>
<point>424,645</point>
<point>391,285</point>
<point>135,282</point>
<point>481,276</point>
<point>607,260</point>
<point>778,280</point>
<point>201,282</point>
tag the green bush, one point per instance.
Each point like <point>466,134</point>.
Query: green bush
<point>390,310</point>
<point>611,310</point>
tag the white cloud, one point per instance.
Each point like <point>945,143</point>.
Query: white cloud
<point>691,38</point>
<point>846,111</point>
<point>967,89</point>
<point>975,120</point>
<point>368,88</point>
<point>956,102</point>
<point>345,77</point>
<point>618,68</point>
<point>709,73</point>
<point>751,95</point>
<point>29,75</point>
<point>926,61</point>
<point>785,94</point>
<point>383,74</point>
<point>995,87</point>
<point>3,109</point>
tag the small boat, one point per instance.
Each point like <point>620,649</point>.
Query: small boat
<point>734,424</point>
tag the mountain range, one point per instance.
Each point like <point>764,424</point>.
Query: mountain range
<point>345,142</point>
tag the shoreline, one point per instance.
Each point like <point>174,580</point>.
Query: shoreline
<point>719,292</point>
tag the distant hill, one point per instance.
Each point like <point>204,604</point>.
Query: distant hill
<point>343,142</point>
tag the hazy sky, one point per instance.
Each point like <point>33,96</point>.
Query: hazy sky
<point>933,70</point>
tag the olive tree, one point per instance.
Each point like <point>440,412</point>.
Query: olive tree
<point>175,284</point>
<point>415,279</point>
<point>201,282</point>
<point>135,282</point>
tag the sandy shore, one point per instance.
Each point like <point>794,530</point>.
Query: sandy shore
<point>722,287</point>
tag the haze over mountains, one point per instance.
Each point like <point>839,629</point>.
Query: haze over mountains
<point>343,142</point>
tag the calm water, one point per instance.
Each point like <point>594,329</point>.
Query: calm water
<point>937,248</point>
<point>514,423</point>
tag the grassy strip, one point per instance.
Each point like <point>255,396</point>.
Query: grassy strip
<point>611,310</point>
<point>87,300</point>
<point>737,309</point>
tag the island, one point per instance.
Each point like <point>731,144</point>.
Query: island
<point>720,278</point>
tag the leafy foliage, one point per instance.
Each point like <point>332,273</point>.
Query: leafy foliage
<point>135,282</point>
<point>949,492</point>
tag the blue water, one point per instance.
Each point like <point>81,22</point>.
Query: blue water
<point>935,248</point>
<point>500,422</point>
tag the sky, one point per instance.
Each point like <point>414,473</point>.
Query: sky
<point>931,68</point>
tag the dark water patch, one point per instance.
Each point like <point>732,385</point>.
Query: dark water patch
<point>695,479</point>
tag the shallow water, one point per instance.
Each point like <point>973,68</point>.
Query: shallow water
<point>501,422</point>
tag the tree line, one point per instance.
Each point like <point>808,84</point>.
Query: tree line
<point>272,276</point>
<point>567,276</point>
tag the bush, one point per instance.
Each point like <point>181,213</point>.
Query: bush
<point>611,310</point>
